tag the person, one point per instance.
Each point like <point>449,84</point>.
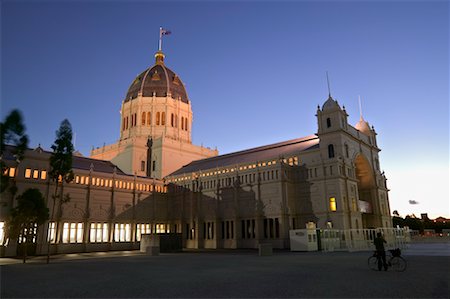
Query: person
<point>381,254</point>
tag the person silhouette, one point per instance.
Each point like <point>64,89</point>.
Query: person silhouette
<point>381,254</point>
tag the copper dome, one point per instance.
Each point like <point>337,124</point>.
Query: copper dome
<point>160,80</point>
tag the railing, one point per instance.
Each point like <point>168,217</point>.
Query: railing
<point>362,239</point>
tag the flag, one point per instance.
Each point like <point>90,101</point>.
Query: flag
<point>165,32</point>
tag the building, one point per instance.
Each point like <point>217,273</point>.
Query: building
<point>156,126</point>
<point>154,180</point>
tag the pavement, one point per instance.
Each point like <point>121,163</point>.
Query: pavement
<point>227,274</point>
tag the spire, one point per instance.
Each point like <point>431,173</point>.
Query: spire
<point>360,108</point>
<point>329,89</point>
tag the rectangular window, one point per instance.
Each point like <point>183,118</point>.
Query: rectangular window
<point>142,228</point>
<point>333,204</point>
<point>28,173</point>
<point>154,166</point>
<point>35,174</point>
<point>122,232</point>
<point>99,232</point>
<point>2,232</point>
<point>142,165</point>
<point>51,236</point>
<point>12,172</point>
<point>73,232</point>
<point>43,174</point>
<point>160,228</point>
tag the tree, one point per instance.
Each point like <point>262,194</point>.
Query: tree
<point>60,170</point>
<point>12,132</point>
<point>31,211</point>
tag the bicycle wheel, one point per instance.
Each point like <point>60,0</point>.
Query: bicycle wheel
<point>372,262</point>
<point>398,264</point>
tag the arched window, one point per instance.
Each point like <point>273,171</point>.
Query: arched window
<point>163,118</point>
<point>330,151</point>
<point>186,124</point>
<point>135,119</point>
<point>328,122</point>
<point>126,123</point>
<point>143,118</point>
<point>149,118</point>
<point>172,120</point>
<point>123,124</point>
<point>333,204</point>
<point>157,118</point>
<point>182,123</point>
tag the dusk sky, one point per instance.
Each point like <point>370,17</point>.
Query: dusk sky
<point>254,72</point>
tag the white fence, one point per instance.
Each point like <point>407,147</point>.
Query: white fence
<point>362,239</point>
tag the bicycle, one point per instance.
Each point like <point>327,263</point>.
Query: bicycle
<point>395,261</point>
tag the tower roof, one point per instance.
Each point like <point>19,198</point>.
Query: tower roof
<point>330,104</point>
<point>158,79</point>
<point>363,126</point>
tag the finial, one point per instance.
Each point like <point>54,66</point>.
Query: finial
<point>360,107</point>
<point>329,90</point>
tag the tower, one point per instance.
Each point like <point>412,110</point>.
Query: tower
<point>156,125</point>
<point>354,191</point>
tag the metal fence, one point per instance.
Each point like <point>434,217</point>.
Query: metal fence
<point>361,239</point>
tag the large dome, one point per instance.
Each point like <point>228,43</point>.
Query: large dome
<point>160,80</point>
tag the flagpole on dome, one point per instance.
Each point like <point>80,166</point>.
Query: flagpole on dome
<point>160,39</point>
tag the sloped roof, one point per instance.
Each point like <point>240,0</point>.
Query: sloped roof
<point>77,162</point>
<point>276,150</point>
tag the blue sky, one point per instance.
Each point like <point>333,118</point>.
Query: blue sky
<point>254,71</point>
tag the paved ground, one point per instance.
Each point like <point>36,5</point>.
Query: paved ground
<point>227,274</point>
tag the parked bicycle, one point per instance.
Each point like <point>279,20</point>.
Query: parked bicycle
<point>395,261</point>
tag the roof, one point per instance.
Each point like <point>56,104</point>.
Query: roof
<point>78,162</point>
<point>160,80</point>
<point>276,150</point>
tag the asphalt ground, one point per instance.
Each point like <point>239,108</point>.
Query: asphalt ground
<point>227,274</point>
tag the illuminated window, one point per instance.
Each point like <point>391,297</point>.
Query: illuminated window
<point>333,204</point>
<point>72,232</point>
<point>2,232</point>
<point>28,173</point>
<point>99,232</point>
<point>43,175</point>
<point>122,232</point>
<point>82,180</point>
<point>157,118</point>
<point>142,228</point>
<point>51,236</point>
<point>149,118</point>
<point>29,233</point>
<point>160,228</point>
<point>12,172</point>
<point>143,118</point>
<point>163,118</point>
<point>35,174</point>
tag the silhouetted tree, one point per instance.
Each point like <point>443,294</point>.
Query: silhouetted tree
<point>60,170</point>
<point>12,132</point>
<point>31,211</point>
